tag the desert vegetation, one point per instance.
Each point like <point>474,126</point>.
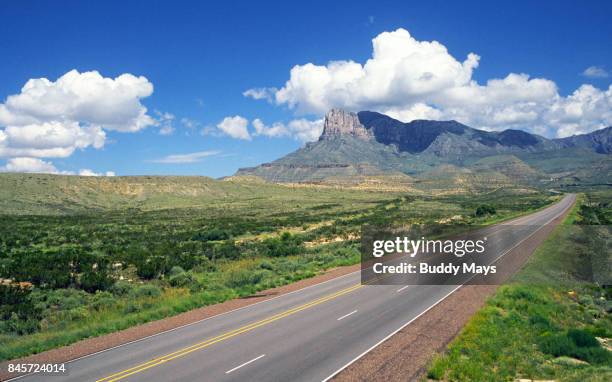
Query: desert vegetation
<point>70,273</point>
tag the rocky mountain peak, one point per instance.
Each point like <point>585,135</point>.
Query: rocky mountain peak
<point>342,123</point>
<point>418,148</point>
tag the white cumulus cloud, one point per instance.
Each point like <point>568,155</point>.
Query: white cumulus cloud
<point>235,127</point>
<point>400,68</point>
<point>260,93</point>
<point>306,130</point>
<point>24,164</point>
<point>412,79</point>
<point>300,129</point>
<point>586,109</point>
<point>54,118</point>
<point>87,97</point>
<point>37,165</point>
<point>49,139</point>
<point>595,72</point>
<point>276,130</point>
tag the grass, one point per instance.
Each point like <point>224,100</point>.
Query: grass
<point>543,323</point>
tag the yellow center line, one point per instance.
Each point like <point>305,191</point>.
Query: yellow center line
<point>182,352</point>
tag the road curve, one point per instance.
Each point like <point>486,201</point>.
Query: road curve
<point>307,335</point>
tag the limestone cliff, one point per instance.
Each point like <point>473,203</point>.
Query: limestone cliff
<point>342,123</point>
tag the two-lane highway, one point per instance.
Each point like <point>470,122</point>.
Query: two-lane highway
<point>307,335</point>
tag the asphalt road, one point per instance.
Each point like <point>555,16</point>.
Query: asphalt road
<point>307,335</point>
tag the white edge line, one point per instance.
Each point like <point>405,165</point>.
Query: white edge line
<point>346,315</point>
<point>186,325</point>
<point>436,303</point>
<point>388,336</point>
<point>244,364</point>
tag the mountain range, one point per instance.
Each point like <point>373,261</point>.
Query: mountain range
<point>362,146</point>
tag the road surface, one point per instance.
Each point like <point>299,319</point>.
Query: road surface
<point>307,335</point>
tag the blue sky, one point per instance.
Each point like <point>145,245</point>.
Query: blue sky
<point>201,57</point>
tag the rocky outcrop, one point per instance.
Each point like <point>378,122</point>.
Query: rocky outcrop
<point>342,123</point>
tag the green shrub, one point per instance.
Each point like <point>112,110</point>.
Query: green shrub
<point>152,267</point>
<point>131,307</point>
<point>557,345</point>
<point>181,280</point>
<point>60,299</point>
<point>204,264</point>
<point>13,294</point>
<point>146,290</point>
<point>575,343</point>
<point>242,277</point>
<point>94,281</point>
<point>102,300</point>
<point>175,270</point>
<point>212,235</point>
<point>17,300</point>
<point>226,250</point>
<point>582,338</point>
<point>594,355</point>
<point>75,314</point>
<point>485,209</point>
<point>286,245</point>
<point>121,288</point>
<point>585,299</point>
<point>15,325</point>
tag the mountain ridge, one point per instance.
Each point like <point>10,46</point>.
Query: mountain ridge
<point>350,140</point>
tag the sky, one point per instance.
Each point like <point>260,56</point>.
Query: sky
<point>204,88</point>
